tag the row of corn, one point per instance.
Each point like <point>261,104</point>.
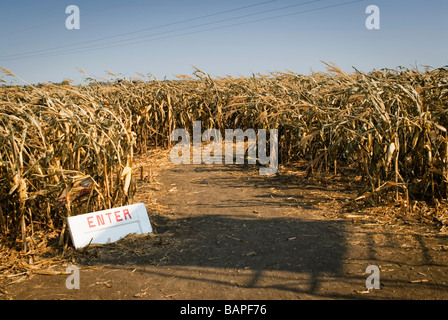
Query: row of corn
<point>68,149</point>
<point>61,153</point>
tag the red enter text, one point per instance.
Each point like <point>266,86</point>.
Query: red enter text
<point>102,219</point>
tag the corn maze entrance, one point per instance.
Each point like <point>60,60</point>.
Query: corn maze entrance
<point>225,232</point>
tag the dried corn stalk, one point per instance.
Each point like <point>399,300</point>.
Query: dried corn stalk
<point>391,125</point>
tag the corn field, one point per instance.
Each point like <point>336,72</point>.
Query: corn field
<point>67,149</point>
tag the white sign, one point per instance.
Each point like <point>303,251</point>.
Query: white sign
<point>108,225</point>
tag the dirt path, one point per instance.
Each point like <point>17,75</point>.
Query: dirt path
<point>225,232</point>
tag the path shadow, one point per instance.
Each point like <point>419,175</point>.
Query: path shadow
<point>312,248</point>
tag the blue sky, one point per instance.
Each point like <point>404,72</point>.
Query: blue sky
<point>164,38</point>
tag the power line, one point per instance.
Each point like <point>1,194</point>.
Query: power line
<point>62,20</point>
<point>80,50</point>
<point>126,41</point>
<point>139,31</point>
